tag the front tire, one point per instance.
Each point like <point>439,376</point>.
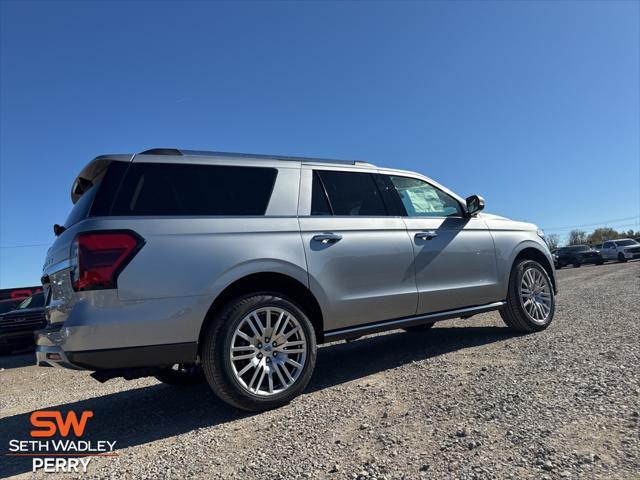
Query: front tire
<point>259,352</point>
<point>621,258</point>
<point>530,299</point>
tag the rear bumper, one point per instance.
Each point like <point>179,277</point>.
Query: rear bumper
<point>117,358</point>
<point>101,332</point>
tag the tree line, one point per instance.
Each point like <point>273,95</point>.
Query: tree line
<point>599,235</point>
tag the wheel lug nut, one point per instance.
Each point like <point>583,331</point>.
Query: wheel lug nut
<point>259,355</point>
<point>266,340</point>
<point>275,354</point>
<point>268,360</point>
<point>275,344</point>
<point>259,345</point>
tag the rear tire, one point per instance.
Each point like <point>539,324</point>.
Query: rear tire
<point>278,351</point>
<point>181,375</point>
<point>530,298</point>
<point>419,328</point>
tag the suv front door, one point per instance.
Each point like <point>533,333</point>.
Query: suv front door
<point>359,258</point>
<point>455,263</point>
<point>608,251</point>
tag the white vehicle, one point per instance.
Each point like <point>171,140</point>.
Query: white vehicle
<point>621,250</point>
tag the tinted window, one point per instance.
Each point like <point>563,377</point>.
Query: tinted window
<point>352,193</point>
<point>625,243</point>
<point>80,210</point>
<point>319,203</point>
<point>578,248</point>
<point>106,193</point>
<point>421,199</point>
<point>34,301</point>
<point>179,189</point>
<point>8,305</point>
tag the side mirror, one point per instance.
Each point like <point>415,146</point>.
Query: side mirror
<point>475,203</point>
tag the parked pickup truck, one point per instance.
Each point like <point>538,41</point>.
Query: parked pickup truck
<point>621,250</point>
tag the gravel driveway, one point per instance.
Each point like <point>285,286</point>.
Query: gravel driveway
<point>467,400</point>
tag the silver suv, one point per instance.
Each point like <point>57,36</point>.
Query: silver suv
<point>190,265</point>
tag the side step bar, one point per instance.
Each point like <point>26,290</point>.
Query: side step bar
<point>342,333</point>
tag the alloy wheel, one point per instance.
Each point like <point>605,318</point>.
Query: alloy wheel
<point>535,295</point>
<point>268,351</point>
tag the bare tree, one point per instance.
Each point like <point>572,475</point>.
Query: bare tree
<point>553,240</point>
<point>577,237</point>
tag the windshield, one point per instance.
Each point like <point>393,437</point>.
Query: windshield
<point>626,243</point>
<point>7,306</point>
<point>34,301</point>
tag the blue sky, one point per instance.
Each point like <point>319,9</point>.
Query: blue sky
<point>534,105</point>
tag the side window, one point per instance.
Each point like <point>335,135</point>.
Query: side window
<point>352,193</point>
<point>319,202</point>
<point>606,245</point>
<point>421,199</point>
<point>183,189</point>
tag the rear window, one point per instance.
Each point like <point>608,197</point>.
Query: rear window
<point>97,200</point>
<point>180,189</point>
<point>80,210</point>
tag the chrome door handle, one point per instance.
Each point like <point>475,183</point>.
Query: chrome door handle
<point>426,235</point>
<point>327,238</point>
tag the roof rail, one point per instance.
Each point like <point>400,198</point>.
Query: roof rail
<point>202,153</point>
<point>161,151</point>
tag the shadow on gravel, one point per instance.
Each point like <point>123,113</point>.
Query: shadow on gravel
<point>24,359</point>
<point>142,415</point>
<point>343,362</point>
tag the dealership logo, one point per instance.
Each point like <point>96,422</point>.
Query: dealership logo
<point>56,443</point>
<point>43,422</point>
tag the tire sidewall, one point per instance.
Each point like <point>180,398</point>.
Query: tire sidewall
<point>226,325</point>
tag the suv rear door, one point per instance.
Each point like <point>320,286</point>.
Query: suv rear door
<point>359,258</point>
<point>455,263</point>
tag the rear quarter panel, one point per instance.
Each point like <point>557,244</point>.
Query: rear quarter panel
<point>199,256</point>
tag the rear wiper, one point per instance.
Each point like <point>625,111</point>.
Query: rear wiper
<point>58,229</point>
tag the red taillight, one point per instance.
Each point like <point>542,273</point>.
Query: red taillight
<point>98,257</point>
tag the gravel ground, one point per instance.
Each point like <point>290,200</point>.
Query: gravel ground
<point>466,400</point>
